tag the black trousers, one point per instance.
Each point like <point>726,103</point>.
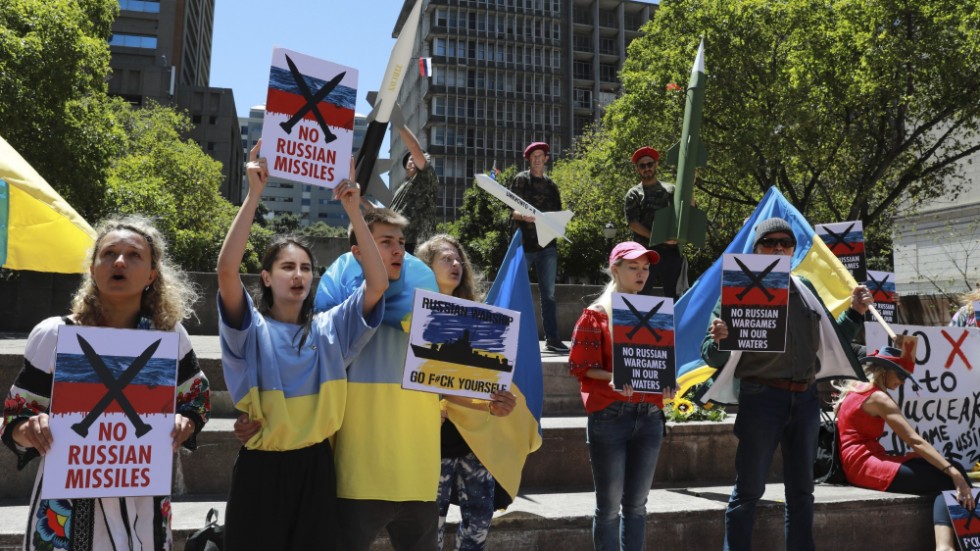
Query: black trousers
<point>411,525</point>
<point>665,273</point>
<point>283,500</point>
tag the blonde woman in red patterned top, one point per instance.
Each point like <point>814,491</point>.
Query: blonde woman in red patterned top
<point>625,429</point>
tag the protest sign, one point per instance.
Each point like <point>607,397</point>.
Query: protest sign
<point>308,128</point>
<point>643,342</point>
<point>460,347</point>
<point>946,409</point>
<point>754,299</point>
<point>112,412</point>
<point>966,524</point>
<point>882,287</point>
<point>846,241</point>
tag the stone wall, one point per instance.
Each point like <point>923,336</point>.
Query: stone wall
<point>29,297</point>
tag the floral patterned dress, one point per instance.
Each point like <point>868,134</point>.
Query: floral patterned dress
<point>135,523</point>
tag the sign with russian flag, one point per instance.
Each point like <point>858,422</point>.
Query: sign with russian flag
<point>846,241</point>
<point>966,523</point>
<point>308,129</point>
<point>643,342</point>
<point>754,301</point>
<point>882,287</point>
<point>112,413</point>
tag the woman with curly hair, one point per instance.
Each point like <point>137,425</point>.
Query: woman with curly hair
<point>130,283</point>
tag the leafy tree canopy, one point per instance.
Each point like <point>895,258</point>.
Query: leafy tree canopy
<point>54,58</point>
<point>849,107</point>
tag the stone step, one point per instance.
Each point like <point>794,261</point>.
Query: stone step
<point>845,519</point>
<point>692,453</point>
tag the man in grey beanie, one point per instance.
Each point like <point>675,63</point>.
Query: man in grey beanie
<point>777,397</point>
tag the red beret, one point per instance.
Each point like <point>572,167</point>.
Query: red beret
<point>645,151</point>
<point>534,146</point>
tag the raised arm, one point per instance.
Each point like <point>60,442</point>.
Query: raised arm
<point>397,120</point>
<point>348,193</point>
<point>233,249</point>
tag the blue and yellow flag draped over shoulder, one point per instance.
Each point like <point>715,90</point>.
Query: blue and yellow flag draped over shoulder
<point>39,230</point>
<point>503,443</point>
<point>345,275</point>
<point>812,260</point>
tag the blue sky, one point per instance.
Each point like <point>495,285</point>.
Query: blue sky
<point>353,33</point>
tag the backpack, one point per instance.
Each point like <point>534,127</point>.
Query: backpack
<point>827,467</point>
<point>209,538</point>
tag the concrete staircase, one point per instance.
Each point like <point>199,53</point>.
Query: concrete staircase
<point>685,508</point>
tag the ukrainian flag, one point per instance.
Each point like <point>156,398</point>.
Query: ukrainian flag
<point>502,444</point>
<point>39,230</point>
<point>811,259</point>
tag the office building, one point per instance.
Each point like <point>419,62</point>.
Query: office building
<point>507,73</point>
<point>161,52</point>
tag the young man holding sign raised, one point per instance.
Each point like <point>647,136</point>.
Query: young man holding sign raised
<point>777,398</point>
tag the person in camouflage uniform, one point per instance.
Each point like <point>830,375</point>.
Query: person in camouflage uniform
<point>642,202</point>
<point>416,198</point>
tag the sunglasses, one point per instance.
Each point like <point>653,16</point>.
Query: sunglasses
<point>785,242</point>
<point>642,166</point>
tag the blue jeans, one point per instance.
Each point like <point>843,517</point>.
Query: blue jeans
<point>545,264</point>
<point>624,442</point>
<point>769,417</point>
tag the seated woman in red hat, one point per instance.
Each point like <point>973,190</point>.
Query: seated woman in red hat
<point>862,411</point>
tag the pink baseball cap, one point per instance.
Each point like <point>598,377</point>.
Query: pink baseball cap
<point>631,250</point>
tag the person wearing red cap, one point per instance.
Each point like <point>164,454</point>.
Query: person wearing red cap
<point>416,197</point>
<point>641,204</point>
<point>625,429</point>
<point>863,409</point>
<point>535,187</point>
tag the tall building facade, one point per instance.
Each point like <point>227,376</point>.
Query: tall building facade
<point>507,73</point>
<point>311,203</point>
<point>161,52</point>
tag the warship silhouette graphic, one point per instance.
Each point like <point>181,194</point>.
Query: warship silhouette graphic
<point>461,352</point>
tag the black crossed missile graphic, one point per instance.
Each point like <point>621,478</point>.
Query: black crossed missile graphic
<point>311,101</point>
<point>878,285</point>
<point>839,237</point>
<point>644,320</point>
<point>114,388</point>
<point>756,280</point>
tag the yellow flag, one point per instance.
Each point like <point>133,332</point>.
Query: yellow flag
<point>43,233</point>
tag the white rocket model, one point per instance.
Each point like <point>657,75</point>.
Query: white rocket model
<point>549,225</point>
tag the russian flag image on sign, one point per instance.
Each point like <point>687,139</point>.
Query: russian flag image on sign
<point>112,412</point>
<point>425,66</point>
<point>308,129</point>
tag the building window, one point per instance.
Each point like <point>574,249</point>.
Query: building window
<point>133,41</point>
<point>441,18</point>
<point>139,5</point>
<point>196,119</point>
<point>440,46</point>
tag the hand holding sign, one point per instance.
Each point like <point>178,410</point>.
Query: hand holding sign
<point>34,433</point>
<point>257,170</point>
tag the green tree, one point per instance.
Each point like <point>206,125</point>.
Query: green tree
<point>54,58</point>
<point>847,107</point>
<point>172,180</point>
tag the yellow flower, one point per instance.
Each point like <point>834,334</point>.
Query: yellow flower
<point>684,407</point>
